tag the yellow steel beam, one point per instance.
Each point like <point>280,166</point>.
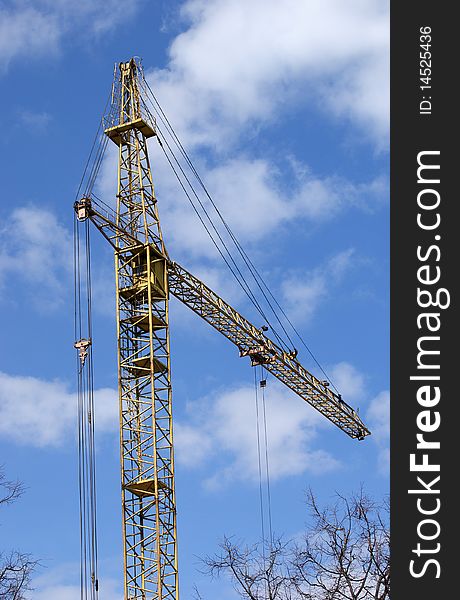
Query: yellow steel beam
<point>254,343</point>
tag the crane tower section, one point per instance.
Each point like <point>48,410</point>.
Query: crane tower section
<point>144,380</point>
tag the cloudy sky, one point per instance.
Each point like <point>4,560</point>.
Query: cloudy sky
<point>284,108</point>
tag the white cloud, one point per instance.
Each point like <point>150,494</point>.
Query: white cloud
<point>304,292</point>
<point>41,413</point>
<point>349,381</point>
<point>362,95</point>
<point>36,248</point>
<point>36,252</point>
<point>103,286</point>
<point>378,415</point>
<point>303,295</point>
<point>99,16</point>
<point>222,429</point>
<point>26,32</point>
<point>239,62</point>
<point>57,592</point>
<point>59,583</point>
<point>35,121</point>
<point>252,195</point>
<point>108,590</point>
<point>39,27</point>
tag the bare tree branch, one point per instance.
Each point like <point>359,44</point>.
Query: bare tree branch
<point>16,568</point>
<point>257,572</point>
<point>9,490</point>
<point>15,575</point>
<point>344,555</point>
<point>346,552</point>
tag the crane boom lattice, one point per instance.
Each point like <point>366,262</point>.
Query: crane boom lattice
<point>253,343</point>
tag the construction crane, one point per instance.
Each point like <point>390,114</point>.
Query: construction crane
<point>145,278</point>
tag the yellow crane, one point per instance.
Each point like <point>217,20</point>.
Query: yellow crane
<point>145,278</point>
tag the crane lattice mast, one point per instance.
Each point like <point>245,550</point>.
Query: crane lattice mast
<point>145,276</point>
<point>144,377</point>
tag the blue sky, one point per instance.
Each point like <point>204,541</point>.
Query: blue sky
<point>284,108</point>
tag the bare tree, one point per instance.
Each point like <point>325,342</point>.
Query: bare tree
<point>15,567</point>
<point>258,572</point>
<point>344,555</point>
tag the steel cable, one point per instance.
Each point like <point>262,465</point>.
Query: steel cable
<point>252,269</point>
<point>241,280</point>
<point>85,408</point>
<point>250,265</point>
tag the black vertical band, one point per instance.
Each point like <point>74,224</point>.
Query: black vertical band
<point>425,234</point>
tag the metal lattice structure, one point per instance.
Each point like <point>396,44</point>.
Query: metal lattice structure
<point>145,276</point>
<point>147,463</point>
<point>262,350</point>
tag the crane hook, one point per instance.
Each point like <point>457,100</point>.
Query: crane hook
<point>82,347</point>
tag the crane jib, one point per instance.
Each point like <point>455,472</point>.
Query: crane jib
<point>252,342</point>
